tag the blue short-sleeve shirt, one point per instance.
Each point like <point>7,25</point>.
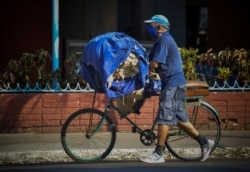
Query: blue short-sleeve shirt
<point>165,51</point>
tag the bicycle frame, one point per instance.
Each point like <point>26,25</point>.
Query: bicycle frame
<point>188,101</point>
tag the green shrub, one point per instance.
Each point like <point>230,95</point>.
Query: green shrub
<point>31,68</point>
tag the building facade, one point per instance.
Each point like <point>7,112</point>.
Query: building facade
<point>26,25</point>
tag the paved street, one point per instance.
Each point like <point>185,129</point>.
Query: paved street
<point>211,165</point>
<point>36,148</point>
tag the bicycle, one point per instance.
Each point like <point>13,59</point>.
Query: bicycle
<point>89,135</point>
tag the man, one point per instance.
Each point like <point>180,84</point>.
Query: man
<point>166,60</point>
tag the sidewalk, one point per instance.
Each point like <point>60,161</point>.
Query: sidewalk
<point>46,148</point>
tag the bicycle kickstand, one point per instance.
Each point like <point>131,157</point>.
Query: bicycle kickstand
<point>220,146</point>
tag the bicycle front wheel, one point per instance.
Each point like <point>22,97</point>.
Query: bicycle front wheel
<point>205,120</point>
<point>88,136</point>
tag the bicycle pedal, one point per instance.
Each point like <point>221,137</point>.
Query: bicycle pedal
<point>220,146</point>
<point>133,129</point>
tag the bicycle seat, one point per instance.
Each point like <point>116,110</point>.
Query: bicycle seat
<point>197,88</point>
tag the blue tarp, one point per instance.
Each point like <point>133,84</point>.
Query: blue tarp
<point>104,54</point>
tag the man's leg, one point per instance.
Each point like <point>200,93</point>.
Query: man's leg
<point>165,115</point>
<point>162,134</point>
<point>157,155</point>
<point>206,145</point>
<point>189,128</point>
<point>161,138</point>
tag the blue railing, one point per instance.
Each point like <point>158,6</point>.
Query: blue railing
<point>78,88</point>
<point>47,89</point>
<point>228,87</point>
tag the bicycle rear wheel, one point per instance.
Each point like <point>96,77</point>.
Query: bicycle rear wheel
<point>87,136</point>
<point>205,120</point>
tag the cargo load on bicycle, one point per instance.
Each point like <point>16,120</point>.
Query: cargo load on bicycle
<point>114,63</point>
<point>117,65</point>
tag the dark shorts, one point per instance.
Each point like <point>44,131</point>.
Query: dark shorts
<point>171,109</point>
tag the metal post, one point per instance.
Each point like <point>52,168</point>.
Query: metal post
<point>55,37</point>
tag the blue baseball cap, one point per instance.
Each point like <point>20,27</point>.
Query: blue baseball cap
<point>159,19</point>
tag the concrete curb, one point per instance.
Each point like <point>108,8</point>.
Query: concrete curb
<point>59,156</point>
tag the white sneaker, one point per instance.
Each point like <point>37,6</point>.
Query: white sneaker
<point>153,158</point>
<point>206,149</point>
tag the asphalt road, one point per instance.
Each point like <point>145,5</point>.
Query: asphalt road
<point>211,165</point>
